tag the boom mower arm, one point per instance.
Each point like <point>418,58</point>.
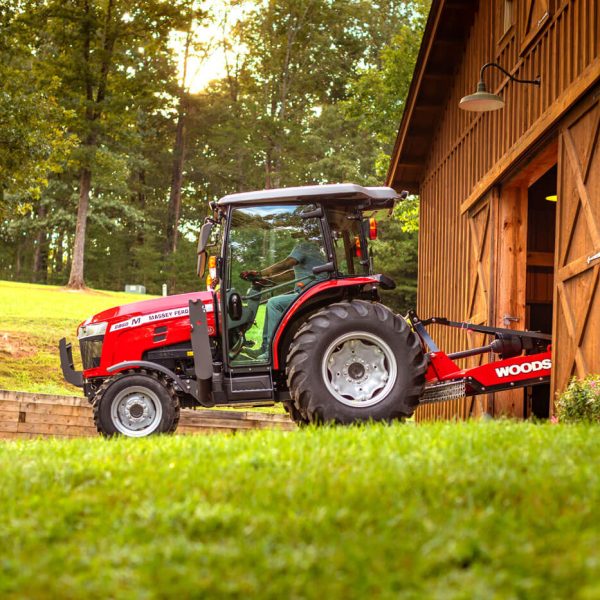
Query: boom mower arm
<point>446,380</point>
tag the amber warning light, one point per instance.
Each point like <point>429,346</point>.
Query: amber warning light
<point>372,229</point>
<point>212,272</point>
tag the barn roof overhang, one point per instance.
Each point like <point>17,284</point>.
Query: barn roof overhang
<point>441,51</point>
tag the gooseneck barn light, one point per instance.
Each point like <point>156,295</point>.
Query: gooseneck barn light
<point>482,100</point>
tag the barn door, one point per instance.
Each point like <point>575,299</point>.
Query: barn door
<point>576,343</point>
<point>480,291</point>
<point>480,234</point>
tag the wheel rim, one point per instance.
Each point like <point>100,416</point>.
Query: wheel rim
<point>359,369</point>
<point>136,411</point>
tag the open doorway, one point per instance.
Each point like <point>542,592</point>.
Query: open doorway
<point>541,229</point>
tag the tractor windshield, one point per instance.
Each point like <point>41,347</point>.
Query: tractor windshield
<point>349,241</point>
<point>272,253</point>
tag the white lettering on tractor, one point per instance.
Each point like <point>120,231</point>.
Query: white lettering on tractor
<point>528,367</point>
<point>159,316</point>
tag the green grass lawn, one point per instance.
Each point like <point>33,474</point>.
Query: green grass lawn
<point>32,320</point>
<point>479,510</point>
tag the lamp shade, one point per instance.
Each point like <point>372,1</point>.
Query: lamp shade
<point>481,100</point>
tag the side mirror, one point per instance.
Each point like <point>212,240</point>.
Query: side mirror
<point>204,236</point>
<point>234,307</point>
<point>202,243</point>
<point>201,266</point>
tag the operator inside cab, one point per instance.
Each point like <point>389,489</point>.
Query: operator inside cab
<point>297,267</point>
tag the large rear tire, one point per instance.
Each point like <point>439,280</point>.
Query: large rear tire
<point>295,414</point>
<point>355,361</point>
<point>136,405</point>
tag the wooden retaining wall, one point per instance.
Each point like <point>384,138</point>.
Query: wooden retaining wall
<point>26,415</point>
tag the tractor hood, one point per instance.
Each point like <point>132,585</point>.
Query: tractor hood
<point>157,309</point>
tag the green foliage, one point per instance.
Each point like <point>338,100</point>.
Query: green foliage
<point>34,136</point>
<point>313,95</point>
<point>468,510</point>
<point>395,254</point>
<point>580,402</point>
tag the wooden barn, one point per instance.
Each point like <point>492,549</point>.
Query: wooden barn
<point>510,198</point>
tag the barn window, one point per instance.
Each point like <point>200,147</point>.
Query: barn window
<point>505,20</point>
<point>507,16</point>
<point>535,19</point>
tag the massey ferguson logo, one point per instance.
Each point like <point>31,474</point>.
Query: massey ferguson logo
<point>159,316</point>
<point>528,367</point>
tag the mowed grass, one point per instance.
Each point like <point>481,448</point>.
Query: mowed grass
<point>32,320</point>
<point>476,510</point>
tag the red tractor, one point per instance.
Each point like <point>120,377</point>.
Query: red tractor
<point>292,315</point>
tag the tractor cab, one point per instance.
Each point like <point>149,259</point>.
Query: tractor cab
<point>271,250</point>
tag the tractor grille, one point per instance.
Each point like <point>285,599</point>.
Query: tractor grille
<point>91,351</point>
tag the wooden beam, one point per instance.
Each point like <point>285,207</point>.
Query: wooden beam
<point>412,186</point>
<point>418,132</point>
<point>412,164</point>
<point>540,259</point>
<point>438,75</point>
<point>536,168</point>
<point>511,277</point>
<point>553,114</point>
<point>428,107</point>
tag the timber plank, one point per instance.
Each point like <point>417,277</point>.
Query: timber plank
<point>56,429</point>
<point>218,423</point>
<point>9,415</point>
<point>53,419</point>
<point>42,398</point>
<point>201,420</point>
<point>205,430</point>
<point>56,409</point>
<point>8,426</point>
<point>10,406</point>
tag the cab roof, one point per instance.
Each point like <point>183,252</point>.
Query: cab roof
<point>381,197</point>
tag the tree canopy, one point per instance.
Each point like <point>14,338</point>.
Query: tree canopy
<point>108,159</point>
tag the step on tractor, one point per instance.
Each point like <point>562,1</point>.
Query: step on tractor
<point>291,314</point>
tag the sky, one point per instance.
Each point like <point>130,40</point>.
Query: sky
<point>209,62</point>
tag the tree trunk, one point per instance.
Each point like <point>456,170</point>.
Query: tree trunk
<point>40,254</point>
<point>76,280</point>
<point>18,258</point>
<point>93,113</point>
<point>179,152</point>
<point>59,254</point>
<point>176,180</point>
<point>141,203</point>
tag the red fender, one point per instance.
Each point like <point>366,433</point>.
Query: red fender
<point>311,293</point>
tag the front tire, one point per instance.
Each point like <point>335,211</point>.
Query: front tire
<point>355,361</point>
<point>135,405</point>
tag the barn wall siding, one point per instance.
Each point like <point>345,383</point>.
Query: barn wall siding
<point>565,53</point>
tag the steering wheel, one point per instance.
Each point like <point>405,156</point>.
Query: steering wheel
<point>260,283</point>
<point>237,346</point>
<point>256,280</point>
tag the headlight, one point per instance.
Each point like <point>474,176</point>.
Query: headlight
<point>91,329</point>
